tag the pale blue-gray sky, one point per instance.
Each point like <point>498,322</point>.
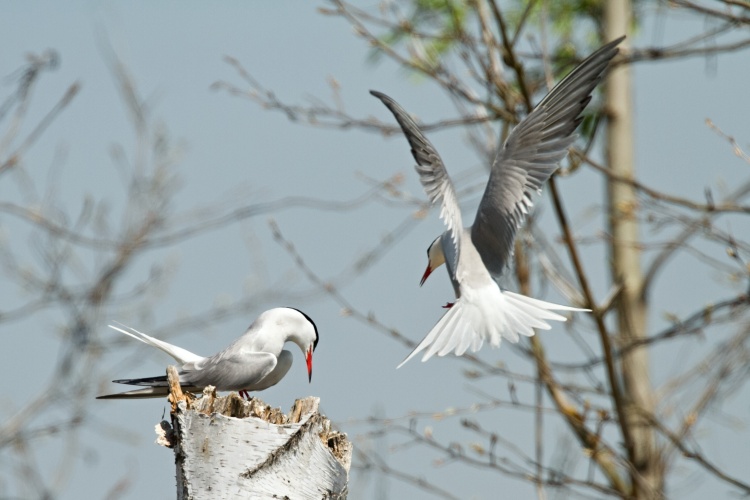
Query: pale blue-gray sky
<point>232,149</point>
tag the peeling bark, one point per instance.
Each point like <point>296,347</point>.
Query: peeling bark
<point>226,447</point>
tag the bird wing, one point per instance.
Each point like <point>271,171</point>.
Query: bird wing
<point>432,174</point>
<point>530,156</point>
<point>230,370</point>
<point>180,355</point>
<point>283,364</point>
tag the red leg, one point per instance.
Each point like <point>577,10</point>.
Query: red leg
<point>448,305</point>
<point>243,393</point>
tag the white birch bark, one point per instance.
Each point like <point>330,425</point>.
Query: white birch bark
<point>226,447</point>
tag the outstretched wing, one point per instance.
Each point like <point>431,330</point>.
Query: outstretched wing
<point>530,156</point>
<point>432,174</point>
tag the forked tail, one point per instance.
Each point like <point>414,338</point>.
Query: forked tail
<point>179,354</point>
<point>490,317</point>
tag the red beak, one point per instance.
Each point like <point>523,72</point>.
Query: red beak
<point>308,358</point>
<point>425,275</point>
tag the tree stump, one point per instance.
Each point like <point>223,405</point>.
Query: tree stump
<point>226,447</point>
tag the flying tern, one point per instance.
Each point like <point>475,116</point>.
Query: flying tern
<point>253,362</point>
<point>477,256</point>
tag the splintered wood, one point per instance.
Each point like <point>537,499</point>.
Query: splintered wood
<point>226,447</point>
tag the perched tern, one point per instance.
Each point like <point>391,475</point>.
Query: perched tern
<point>253,362</point>
<point>477,256</point>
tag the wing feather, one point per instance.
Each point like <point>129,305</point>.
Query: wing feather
<point>230,370</point>
<point>432,173</point>
<point>530,156</point>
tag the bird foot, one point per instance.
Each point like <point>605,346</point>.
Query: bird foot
<point>448,305</point>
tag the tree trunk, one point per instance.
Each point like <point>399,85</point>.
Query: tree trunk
<point>625,261</point>
<point>226,447</point>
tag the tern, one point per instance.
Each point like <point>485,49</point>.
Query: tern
<point>253,362</point>
<point>477,256</point>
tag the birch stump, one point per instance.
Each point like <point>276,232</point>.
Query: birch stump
<point>226,447</point>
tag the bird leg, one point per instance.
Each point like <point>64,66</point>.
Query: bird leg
<point>244,394</point>
<point>448,305</point>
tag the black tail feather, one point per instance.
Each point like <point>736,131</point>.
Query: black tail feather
<point>148,392</point>
<point>160,381</point>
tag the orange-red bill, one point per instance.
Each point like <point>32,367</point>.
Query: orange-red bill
<point>308,358</point>
<point>427,272</point>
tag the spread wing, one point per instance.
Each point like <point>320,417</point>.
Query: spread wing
<point>530,156</point>
<point>432,174</point>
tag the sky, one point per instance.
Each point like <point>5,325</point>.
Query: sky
<point>233,152</point>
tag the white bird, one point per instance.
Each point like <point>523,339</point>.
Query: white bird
<point>253,362</point>
<point>477,256</point>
